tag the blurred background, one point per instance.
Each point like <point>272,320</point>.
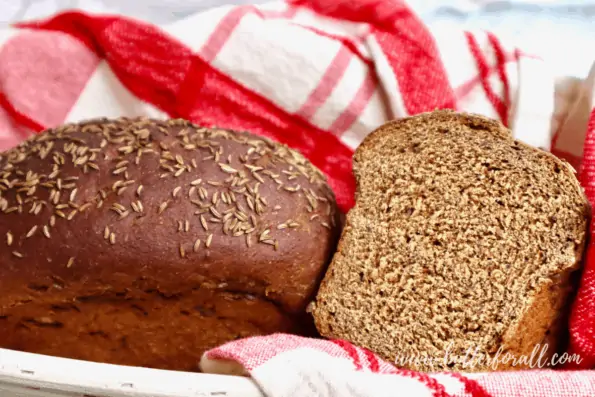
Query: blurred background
<point>562,31</point>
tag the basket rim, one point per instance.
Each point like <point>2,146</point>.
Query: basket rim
<point>21,371</point>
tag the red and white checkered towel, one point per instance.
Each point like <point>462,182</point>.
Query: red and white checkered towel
<point>317,75</point>
<point>292,366</point>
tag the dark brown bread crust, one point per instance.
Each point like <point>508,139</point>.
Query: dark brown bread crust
<point>93,266</point>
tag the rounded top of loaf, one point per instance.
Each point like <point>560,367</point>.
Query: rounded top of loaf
<point>168,205</point>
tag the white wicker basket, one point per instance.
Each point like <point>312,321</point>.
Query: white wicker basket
<point>34,375</point>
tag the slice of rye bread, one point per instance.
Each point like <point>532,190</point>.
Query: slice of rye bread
<point>461,238</point>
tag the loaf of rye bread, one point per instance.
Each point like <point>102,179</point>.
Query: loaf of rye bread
<point>144,242</point>
<point>461,244</point>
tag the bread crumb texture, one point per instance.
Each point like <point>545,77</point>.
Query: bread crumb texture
<point>460,235</point>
